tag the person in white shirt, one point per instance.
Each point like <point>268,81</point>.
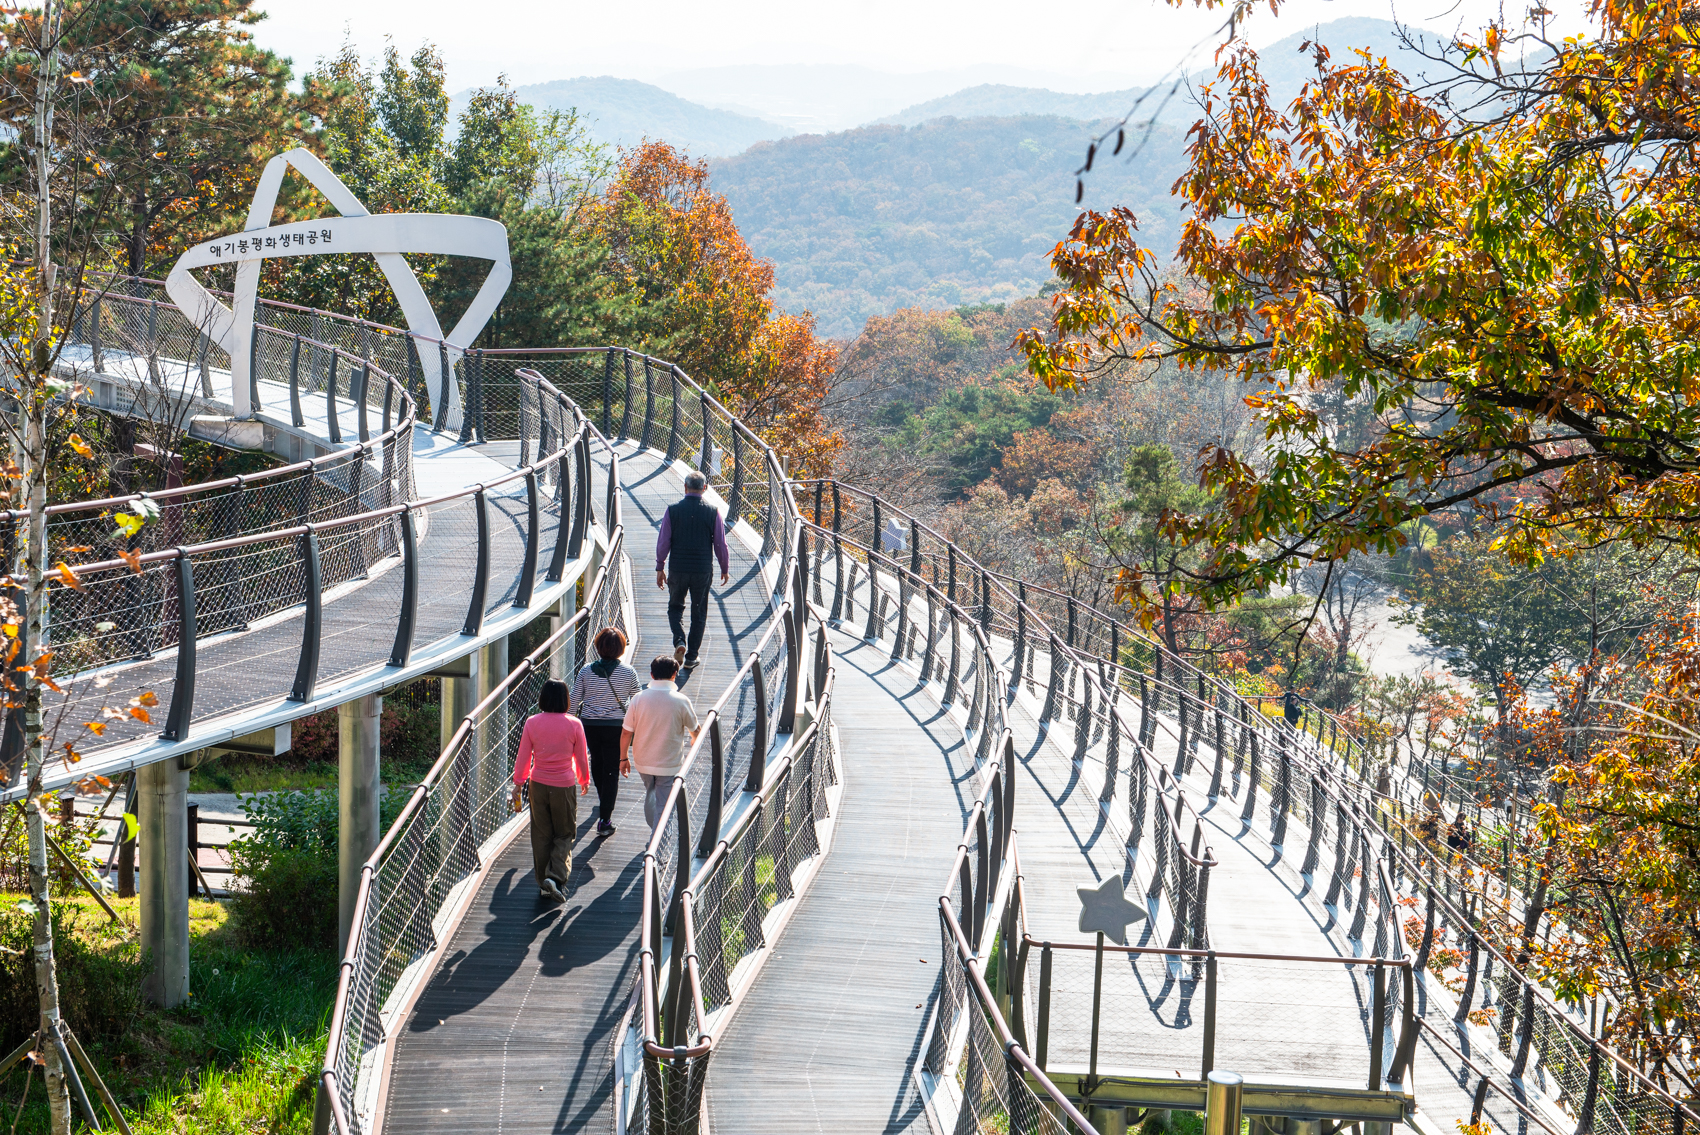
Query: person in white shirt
<point>659,729</point>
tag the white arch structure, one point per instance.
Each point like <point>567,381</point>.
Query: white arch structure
<point>385,235</point>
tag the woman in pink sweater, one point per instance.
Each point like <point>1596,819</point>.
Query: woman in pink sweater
<point>553,758</point>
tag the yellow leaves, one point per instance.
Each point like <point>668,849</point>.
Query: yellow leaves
<point>68,577</point>
<point>82,447</point>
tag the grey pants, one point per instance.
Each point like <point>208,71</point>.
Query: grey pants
<point>655,790</point>
<point>554,822</point>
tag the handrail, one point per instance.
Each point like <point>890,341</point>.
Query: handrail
<point>368,963</point>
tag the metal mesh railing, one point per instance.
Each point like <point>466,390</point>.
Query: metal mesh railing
<point>434,846</point>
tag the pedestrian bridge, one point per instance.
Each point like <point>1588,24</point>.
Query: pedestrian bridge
<point>860,913</point>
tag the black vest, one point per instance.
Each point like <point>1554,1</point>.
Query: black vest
<point>692,524</point>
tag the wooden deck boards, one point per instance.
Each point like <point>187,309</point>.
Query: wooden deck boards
<point>826,1036</point>
<point>514,1031</point>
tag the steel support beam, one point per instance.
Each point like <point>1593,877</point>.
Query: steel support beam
<point>357,801</point>
<point>162,817</point>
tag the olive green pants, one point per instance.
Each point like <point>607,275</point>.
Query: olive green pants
<point>554,822</point>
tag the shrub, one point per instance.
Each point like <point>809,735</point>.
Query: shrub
<point>99,967</point>
<point>288,868</point>
<point>288,900</point>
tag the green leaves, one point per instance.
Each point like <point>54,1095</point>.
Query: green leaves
<point>1437,316</point>
<point>130,523</point>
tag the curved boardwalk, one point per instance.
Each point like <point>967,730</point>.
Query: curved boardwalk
<point>514,1032</point>
<point>834,1020</point>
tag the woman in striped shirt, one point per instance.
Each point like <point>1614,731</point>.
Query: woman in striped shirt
<point>600,694</point>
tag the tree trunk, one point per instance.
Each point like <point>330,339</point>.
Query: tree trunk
<point>35,402</point>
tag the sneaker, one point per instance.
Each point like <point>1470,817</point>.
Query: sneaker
<point>679,655</point>
<point>690,663</point>
<point>603,827</point>
<point>552,890</point>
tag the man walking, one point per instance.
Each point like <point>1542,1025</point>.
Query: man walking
<point>660,727</point>
<point>692,536</point>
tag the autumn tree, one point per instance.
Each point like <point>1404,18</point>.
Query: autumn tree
<point>1494,270</point>
<point>705,300</point>
<point>179,109</point>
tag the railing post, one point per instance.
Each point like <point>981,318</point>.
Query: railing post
<point>735,506</point>
<point>533,524</point>
<point>758,738</point>
<point>448,377</point>
<point>402,650</point>
<point>1210,1017</point>
<point>1590,1099</point>
<point>788,701</point>
<point>1378,1025</point>
<point>626,410</point>
<point>97,352</point>
<point>716,790</point>
<point>1469,993</point>
<point>1048,713</point>
<point>607,386</point>
<point>581,494</point>
<point>295,414</point>
<point>1042,1044</point>
<point>648,402</point>
<point>481,576</point>
<point>673,426</point>
<point>469,410</point>
<point>707,462</point>
<point>307,668</point>
<point>183,688</point>
<point>360,402</point>
<point>872,632</point>
<point>563,524</point>
<point>254,373</point>
<point>1251,783</point>
<point>331,423</point>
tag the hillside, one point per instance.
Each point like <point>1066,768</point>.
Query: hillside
<point>956,211</point>
<point>623,112</point>
<point>998,100</point>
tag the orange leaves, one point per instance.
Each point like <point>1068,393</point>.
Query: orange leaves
<point>68,577</point>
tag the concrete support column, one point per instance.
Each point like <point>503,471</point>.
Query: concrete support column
<point>457,702</point>
<point>357,801</point>
<point>494,761</point>
<point>1110,1120</point>
<point>162,802</point>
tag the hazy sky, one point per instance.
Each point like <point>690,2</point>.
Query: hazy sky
<point>1103,44</point>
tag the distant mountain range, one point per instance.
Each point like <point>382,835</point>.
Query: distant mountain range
<point>951,194</point>
<point>623,112</point>
<point>954,211</point>
<point>995,100</point>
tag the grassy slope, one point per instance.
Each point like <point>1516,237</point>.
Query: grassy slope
<point>241,1055</point>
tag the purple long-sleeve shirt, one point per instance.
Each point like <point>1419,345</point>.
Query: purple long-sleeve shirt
<point>664,540</point>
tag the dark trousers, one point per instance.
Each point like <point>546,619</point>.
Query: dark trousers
<point>603,739</point>
<point>554,822</point>
<point>679,584</point>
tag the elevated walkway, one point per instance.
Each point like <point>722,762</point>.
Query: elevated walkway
<point>516,1029</point>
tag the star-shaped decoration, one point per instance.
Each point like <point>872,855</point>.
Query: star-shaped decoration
<point>1104,909</point>
<point>385,236</point>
